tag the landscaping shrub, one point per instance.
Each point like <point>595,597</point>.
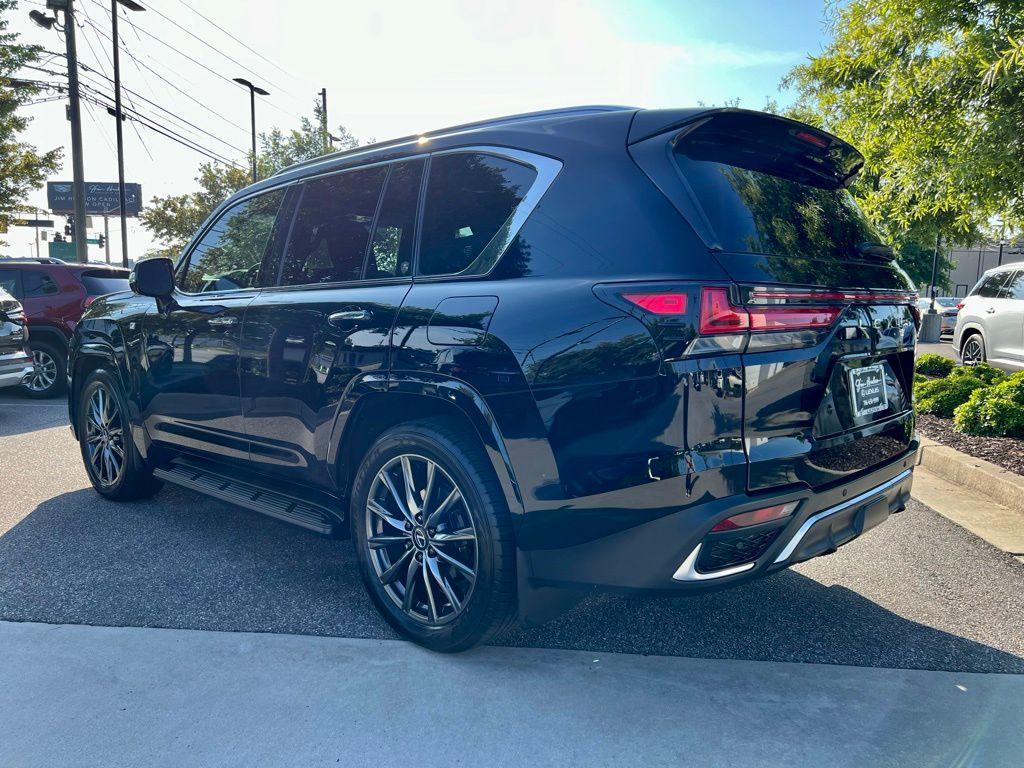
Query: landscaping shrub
<point>933,365</point>
<point>996,411</point>
<point>941,396</point>
<point>920,378</point>
<point>987,373</point>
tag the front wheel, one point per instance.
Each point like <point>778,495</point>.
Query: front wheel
<point>433,535</point>
<point>49,371</point>
<point>973,351</point>
<point>115,468</point>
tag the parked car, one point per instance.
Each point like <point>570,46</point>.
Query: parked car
<point>54,295</point>
<point>15,359</point>
<point>646,350</point>
<point>947,306</point>
<point>990,324</point>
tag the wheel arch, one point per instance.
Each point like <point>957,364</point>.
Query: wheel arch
<point>88,358</point>
<point>968,330</point>
<point>415,398</point>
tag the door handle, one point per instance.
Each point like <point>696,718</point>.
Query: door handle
<point>990,310</point>
<point>223,320</point>
<point>349,316</point>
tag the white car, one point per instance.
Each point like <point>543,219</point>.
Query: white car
<point>990,325</point>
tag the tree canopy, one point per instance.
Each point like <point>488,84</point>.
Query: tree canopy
<point>173,220</point>
<point>22,168</point>
<point>932,92</point>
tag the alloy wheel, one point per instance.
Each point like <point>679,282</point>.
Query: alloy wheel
<point>973,352</point>
<point>422,540</point>
<point>44,372</point>
<point>104,437</point>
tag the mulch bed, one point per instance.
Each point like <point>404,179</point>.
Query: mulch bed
<point>1006,452</point>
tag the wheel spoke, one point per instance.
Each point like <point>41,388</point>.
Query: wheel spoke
<point>437,513</point>
<point>396,496</point>
<point>431,474</point>
<point>392,573</point>
<point>464,569</point>
<point>430,592</point>
<point>410,584</point>
<point>410,487</point>
<point>445,586</point>
<point>379,542</point>
<point>465,534</point>
<point>386,516</point>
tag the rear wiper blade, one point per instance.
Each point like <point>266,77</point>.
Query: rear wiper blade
<point>875,249</point>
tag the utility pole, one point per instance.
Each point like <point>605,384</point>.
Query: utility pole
<point>106,235</point>
<point>119,119</point>
<point>323,120</point>
<point>75,112</point>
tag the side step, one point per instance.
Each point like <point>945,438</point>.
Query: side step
<point>274,504</point>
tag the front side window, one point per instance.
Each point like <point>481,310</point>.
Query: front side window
<point>470,201</point>
<point>393,236</point>
<point>38,284</point>
<point>992,286</point>
<point>229,255</point>
<point>331,230</point>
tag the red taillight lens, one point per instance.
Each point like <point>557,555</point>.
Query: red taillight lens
<point>659,303</point>
<point>88,300</point>
<point>791,318</point>
<point>718,315</point>
<point>960,306</point>
<point>758,516</point>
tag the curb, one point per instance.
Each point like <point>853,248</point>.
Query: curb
<point>984,477</point>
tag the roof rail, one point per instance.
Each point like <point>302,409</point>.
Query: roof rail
<point>30,260</point>
<point>494,121</point>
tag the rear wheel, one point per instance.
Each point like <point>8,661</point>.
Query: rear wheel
<point>49,374</point>
<point>114,465</point>
<point>973,350</point>
<point>434,537</point>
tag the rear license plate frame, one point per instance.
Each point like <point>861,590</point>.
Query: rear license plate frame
<point>868,391</point>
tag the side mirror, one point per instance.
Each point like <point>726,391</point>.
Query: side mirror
<point>153,277</point>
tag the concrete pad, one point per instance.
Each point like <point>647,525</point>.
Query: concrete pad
<point>973,474</point>
<point>985,518</point>
<point>96,696</point>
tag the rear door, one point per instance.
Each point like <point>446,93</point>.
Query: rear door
<point>1003,316</point>
<point>824,315</point>
<point>320,336</point>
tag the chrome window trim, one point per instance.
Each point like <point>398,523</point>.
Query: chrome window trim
<point>794,542</point>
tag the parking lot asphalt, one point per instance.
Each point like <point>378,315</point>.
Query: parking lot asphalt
<point>918,592</point>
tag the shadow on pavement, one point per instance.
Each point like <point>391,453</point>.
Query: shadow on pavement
<point>180,560</point>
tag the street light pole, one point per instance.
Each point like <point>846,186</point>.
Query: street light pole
<point>253,90</point>
<point>131,5</point>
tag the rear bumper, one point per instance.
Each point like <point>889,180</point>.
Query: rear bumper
<point>664,555</point>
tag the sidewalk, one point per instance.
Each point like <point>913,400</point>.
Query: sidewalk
<point>84,696</point>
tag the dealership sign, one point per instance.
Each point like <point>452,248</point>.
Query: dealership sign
<point>100,198</point>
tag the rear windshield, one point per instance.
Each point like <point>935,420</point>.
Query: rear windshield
<point>100,283</point>
<point>772,187</point>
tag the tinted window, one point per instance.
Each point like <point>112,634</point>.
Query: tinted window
<point>100,283</point>
<point>470,198</point>
<point>393,235</point>
<point>771,194</point>
<point>991,286</point>
<point>1014,288</point>
<point>229,255</point>
<point>9,282</point>
<point>332,227</point>
<point>38,284</point>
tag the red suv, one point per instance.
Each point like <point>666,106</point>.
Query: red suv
<point>54,295</point>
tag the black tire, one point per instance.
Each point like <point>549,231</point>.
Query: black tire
<point>134,479</point>
<point>973,345</point>
<point>49,379</point>
<point>489,607</point>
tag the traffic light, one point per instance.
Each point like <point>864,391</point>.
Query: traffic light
<point>69,227</point>
<point>102,241</point>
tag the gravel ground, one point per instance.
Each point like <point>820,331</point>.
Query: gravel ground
<point>1006,452</point>
<point>918,592</point>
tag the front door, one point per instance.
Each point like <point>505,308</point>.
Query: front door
<point>1004,318</point>
<point>320,339</point>
<point>190,389</point>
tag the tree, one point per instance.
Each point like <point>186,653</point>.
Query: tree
<point>932,92</point>
<point>22,168</point>
<point>174,219</point>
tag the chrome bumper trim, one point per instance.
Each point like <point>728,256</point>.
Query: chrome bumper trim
<point>688,570</point>
<point>16,377</point>
<point>794,542</point>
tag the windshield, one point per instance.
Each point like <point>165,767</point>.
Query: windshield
<point>101,283</point>
<point>764,194</point>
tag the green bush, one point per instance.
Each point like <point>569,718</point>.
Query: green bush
<point>933,365</point>
<point>920,378</point>
<point>940,397</point>
<point>987,373</point>
<point>996,411</point>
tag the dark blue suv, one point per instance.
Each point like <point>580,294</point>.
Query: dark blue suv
<point>645,350</point>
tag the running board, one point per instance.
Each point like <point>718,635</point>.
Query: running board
<point>289,509</point>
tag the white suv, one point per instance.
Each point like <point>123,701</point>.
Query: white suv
<point>990,326</point>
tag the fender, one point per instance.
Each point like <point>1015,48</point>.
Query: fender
<point>94,343</point>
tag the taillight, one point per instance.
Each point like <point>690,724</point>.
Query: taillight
<point>959,306</point>
<point>659,303</point>
<point>756,517</point>
<point>88,300</point>
<point>718,315</point>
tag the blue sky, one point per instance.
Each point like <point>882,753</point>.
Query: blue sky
<point>397,67</point>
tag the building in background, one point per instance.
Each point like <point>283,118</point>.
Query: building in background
<point>970,263</point>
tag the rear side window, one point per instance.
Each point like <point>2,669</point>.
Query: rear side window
<point>1014,288</point>
<point>101,283</point>
<point>768,187</point>
<point>470,200</point>
<point>992,286</point>
<point>38,284</point>
<point>229,255</point>
<point>10,282</point>
<point>394,233</point>
<point>331,230</point>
